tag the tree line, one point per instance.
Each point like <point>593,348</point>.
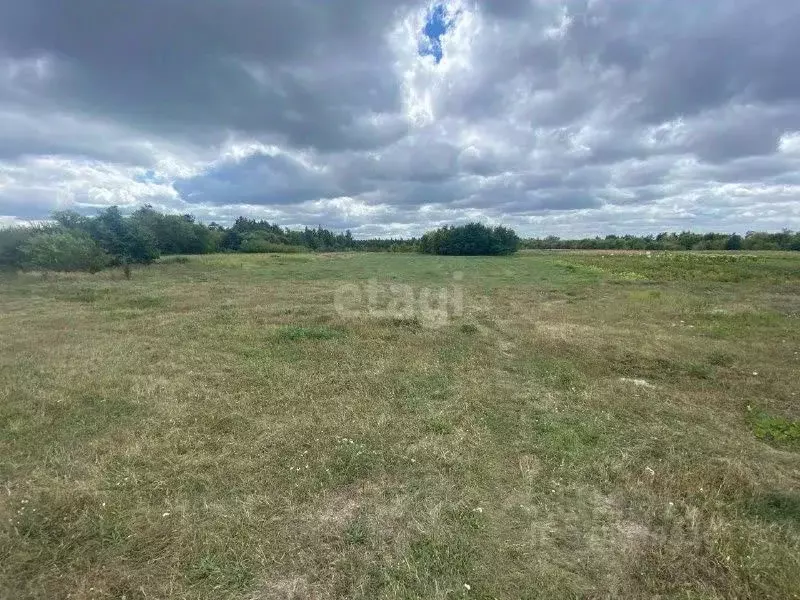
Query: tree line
<point>686,240</point>
<point>71,241</point>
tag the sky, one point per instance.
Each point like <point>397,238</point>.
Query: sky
<point>391,117</point>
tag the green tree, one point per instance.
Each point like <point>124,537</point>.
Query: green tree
<point>734,242</point>
<point>473,239</point>
<point>126,240</point>
<point>12,241</point>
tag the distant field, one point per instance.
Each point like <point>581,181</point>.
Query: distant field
<point>321,426</point>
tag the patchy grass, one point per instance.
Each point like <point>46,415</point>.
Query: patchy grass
<point>295,333</point>
<point>214,428</point>
<point>174,260</point>
<point>776,429</point>
<point>781,507</point>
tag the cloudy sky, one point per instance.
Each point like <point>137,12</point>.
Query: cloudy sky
<point>390,117</point>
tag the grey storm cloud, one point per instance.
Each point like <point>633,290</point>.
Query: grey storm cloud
<point>195,68</point>
<point>259,179</point>
<point>570,117</point>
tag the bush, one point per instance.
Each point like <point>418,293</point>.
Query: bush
<point>256,244</point>
<point>62,251</point>
<point>11,242</point>
<point>177,234</point>
<point>126,240</point>
<point>474,239</point>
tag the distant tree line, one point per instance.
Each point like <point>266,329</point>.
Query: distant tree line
<point>473,239</point>
<point>785,240</point>
<point>249,235</point>
<point>70,241</point>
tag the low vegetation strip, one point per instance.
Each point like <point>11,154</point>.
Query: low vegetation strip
<point>218,426</point>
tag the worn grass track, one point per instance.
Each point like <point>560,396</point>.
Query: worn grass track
<point>589,425</point>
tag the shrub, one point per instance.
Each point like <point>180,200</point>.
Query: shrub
<point>255,244</point>
<point>11,242</point>
<point>62,251</point>
<point>126,240</point>
<point>474,239</point>
<point>177,234</point>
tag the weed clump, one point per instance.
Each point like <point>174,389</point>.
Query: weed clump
<point>406,322</point>
<point>777,430</point>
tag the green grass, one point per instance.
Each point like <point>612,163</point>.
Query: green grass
<point>776,429</point>
<point>588,425</point>
<point>294,333</point>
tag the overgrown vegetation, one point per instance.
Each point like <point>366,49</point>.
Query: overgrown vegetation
<point>76,243</point>
<point>215,429</point>
<point>473,239</point>
<point>62,250</point>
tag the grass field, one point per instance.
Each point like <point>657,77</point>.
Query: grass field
<point>575,425</point>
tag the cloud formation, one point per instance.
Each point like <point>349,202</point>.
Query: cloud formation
<point>565,117</point>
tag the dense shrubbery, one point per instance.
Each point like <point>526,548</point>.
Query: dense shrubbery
<point>62,250</point>
<point>77,243</point>
<point>255,244</point>
<point>12,241</point>
<point>178,234</point>
<point>786,240</point>
<point>474,239</point>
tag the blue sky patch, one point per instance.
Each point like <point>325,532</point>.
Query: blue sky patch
<point>149,176</point>
<point>438,23</point>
